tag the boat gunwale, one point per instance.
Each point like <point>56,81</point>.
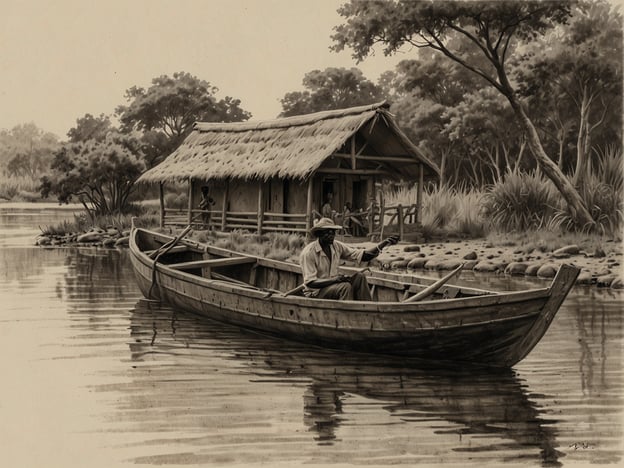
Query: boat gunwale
<point>503,298</point>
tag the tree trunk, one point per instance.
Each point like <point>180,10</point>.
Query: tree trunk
<point>550,169</point>
<point>582,144</point>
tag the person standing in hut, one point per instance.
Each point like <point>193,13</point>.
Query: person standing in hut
<point>320,260</point>
<point>205,203</point>
<point>326,209</point>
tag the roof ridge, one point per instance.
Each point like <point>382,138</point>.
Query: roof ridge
<point>294,121</point>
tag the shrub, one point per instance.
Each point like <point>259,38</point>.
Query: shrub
<point>520,201</point>
<point>602,193</point>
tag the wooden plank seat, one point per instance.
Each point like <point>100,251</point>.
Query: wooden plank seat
<point>175,249</point>
<point>212,263</point>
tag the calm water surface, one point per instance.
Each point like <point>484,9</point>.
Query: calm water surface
<point>94,375</point>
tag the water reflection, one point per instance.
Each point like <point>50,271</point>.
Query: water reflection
<point>433,403</point>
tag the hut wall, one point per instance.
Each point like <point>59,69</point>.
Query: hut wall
<point>243,195</point>
<point>217,191</point>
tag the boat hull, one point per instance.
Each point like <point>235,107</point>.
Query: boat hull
<point>496,330</point>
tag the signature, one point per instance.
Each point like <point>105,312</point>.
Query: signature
<point>581,446</point>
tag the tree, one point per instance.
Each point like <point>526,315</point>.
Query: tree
<point>100,174</point>
<point>90,128</point>
<point>490,28</point>
<point>582,70</point>
<point>172,105</point>
<point>26,150</point>
<point>332,88</point>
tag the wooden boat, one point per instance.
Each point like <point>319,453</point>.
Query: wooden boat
<point>455,323</point>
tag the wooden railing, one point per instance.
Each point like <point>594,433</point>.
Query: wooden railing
<point>247,220</point>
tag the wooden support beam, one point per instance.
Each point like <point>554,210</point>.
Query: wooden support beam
<point>161,199</point>
<point>212,263</point>
<point>395,159</point>
<point>308,219</point>
<point>351,171</point>
<point>401,221</point>
<point>353,163</point>
<point>419,194</point>
<point>226,197</point>
<point>190,202</point>
<point>260,205</point>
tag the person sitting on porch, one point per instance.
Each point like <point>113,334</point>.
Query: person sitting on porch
<point>205,203</point>
<point>320,260</point>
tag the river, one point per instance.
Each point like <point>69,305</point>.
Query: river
<point>94,375</point>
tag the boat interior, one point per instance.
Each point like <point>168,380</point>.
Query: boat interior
<point>284,278</point>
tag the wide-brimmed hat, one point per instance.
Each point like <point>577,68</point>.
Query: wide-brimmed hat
<point>323,224</point>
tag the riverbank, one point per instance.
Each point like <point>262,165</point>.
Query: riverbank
<point>600,265</point>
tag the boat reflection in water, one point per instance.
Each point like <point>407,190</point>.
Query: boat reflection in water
<point>364,405</point>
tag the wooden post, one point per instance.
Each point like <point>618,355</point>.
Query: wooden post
<point>419,194</point>
<point>161,198</point>
<point>401,223</point>
<point>309,205</point>
<point>190,201</point>
<point>353,163</point>
<point>224,205</point>
<point>260,205</point>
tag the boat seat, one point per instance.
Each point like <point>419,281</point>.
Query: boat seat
<point>212,263</point>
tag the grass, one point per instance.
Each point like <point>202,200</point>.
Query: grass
<point>19,189</point>
<point>82,223</point>
<point>278,246</point>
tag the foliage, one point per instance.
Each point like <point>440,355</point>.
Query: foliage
<point>520,201</point>
<point>26,151</point>
<point>445,209</point>
<point>18,188</point>
<point>90,128</point>
<point>603,192</point>
<point>332,88</point>
<point>170,107</point>
<point>492,31</point>
<point>100,175</point>
<point>83,223</point>
<point>275,245</point>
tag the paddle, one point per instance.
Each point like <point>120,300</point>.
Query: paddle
<point>171,244</point>
<point>429,290</point>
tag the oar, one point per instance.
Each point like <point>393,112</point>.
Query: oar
<point>171,244</point>
<point>429,290</point>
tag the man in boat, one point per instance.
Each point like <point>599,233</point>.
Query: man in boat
<point>320,259</point>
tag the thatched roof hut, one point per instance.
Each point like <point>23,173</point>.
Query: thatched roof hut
<point>260,170</point>
<point>289,148</point>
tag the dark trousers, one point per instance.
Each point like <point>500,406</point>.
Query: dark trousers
<point>356,290</point>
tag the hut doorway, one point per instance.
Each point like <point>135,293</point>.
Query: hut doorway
<point>359,190</point>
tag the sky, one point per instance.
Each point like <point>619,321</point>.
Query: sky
<point>62,59</point>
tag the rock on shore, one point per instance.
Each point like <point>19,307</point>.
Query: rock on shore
<point>601,267</point>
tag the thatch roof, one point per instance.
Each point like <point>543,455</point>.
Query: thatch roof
<point>292,147</point>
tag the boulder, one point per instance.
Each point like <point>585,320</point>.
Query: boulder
<point>411,248</point>
<point>599,253</point>
<point>417,263</point>
<point>43,240</point>
<point>435,262</point>
<point>585,277</point>
<point>532,270</point>
<point>486,266</point>
<point>567,250</point>
<point>122,241</point>
<point>108,242</point>
<point>605,281</point>
<point>471,256</point>
<point>516,268</point>
<point>399,264</point>
<point>470,264</point>
<point>547,271</point>
<point>617,283</point>
<point>90,236</point>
